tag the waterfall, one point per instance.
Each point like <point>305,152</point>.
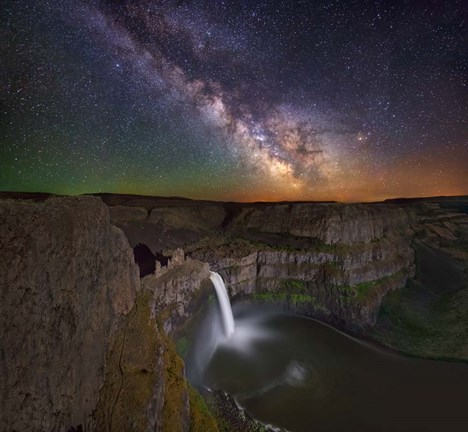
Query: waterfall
<point>224,303</point>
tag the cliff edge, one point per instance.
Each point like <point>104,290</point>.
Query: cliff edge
<point>68,278</point>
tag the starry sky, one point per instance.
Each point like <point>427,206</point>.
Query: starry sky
<point>348,100</point>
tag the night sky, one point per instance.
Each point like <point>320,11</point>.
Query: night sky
<point>235,100</point>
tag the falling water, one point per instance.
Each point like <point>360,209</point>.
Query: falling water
<point>224,303</point>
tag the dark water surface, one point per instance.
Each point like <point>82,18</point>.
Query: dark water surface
<point>305,376</point>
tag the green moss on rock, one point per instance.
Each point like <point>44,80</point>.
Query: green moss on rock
<point>182,346</point>
<point>143,360</point>
<point>130,372</point>
<point>201,419</point>
<point>296,299</point>
<point>362,291</point>
<point>294,285</point>
<point>175,407</point>
<point>301,298</point>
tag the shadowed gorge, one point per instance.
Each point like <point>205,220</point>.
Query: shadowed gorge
<point>145,259</point>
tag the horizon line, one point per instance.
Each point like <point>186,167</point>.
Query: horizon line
<point>174,197</point>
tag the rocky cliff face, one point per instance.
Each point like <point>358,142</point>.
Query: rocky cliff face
<point>165,223</point>
<point>83,343</point>
<point>68,278</point>
<point>329,260</point>
<point>343,286</point>
<point>329,223</point>
<point>335,262</point>
<point>177,289</point>
<point>145,386</point>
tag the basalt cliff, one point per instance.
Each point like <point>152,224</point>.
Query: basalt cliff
<point>99,291</point>
<point>326,260</point>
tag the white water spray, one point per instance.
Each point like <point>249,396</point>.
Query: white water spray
<point>224,303</point>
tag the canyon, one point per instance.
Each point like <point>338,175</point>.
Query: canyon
<point>100,294</point>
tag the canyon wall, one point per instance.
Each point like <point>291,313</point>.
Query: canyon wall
<point>327,260</point>
<point>83,343</point>
<point>68,278</point>
<point>331,223</point>
<point>331,261</point>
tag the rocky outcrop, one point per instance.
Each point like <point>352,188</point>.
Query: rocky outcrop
<point>145,386</point>
<point>177,289</point>
<point>68,278</point>
<point>83,344</point>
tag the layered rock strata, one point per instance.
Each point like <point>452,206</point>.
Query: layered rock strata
<point>329,260</point>
<point>330,223</point>
<point>334,262</point>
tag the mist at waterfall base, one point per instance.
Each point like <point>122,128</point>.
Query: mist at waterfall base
<point>302,375</point>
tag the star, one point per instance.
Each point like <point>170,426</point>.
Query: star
<point>299,100</point>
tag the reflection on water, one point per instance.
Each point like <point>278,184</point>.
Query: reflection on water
<point>305,376</point>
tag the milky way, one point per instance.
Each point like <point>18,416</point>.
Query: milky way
<point>275,100</point>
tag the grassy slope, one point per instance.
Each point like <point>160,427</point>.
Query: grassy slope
<point>429,317</point>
